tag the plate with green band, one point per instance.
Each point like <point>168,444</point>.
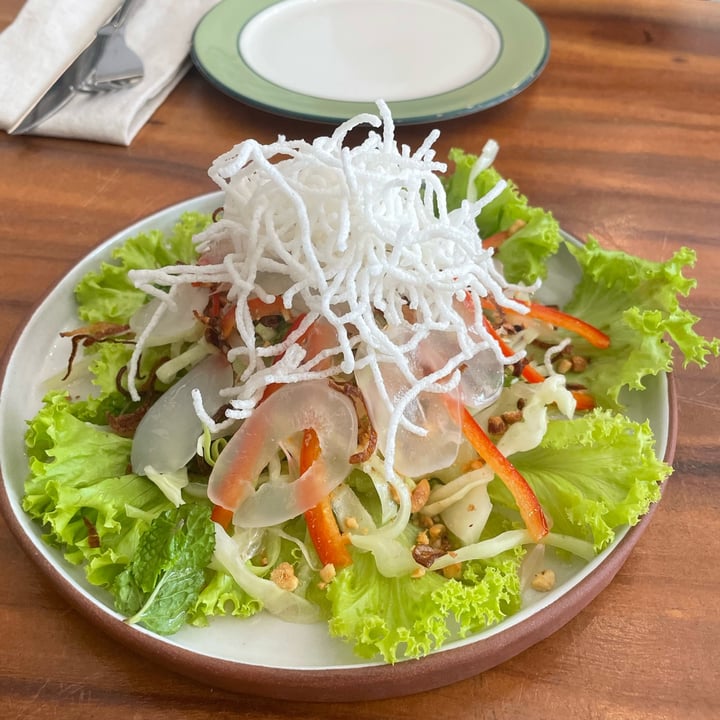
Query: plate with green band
<point>329,60</point>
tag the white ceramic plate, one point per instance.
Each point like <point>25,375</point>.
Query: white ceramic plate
<point>264,655</point>
<point>329,60</point>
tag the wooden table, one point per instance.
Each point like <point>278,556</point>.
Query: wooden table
<point>620,137</point>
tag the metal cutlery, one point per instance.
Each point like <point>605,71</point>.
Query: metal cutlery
<point>118,68</point>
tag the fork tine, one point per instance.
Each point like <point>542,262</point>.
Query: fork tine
<point>110,85</point>
<point>117,61</point>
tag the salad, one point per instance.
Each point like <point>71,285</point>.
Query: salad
<point>340,399</point>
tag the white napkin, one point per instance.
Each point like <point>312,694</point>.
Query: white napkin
<point>47,36</point>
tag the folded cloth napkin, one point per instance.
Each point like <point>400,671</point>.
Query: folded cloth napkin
<point>47,36</point>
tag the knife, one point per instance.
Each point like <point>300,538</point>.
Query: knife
<point>65,87</point>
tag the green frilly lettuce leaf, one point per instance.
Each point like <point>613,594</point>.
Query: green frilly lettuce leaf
<point>406,617</point>
<point>79,487</point>
<point>221,596</point>
<point>524,254</point>
<point>108,295</point>
<point>636,302</point>
<point>592,475</point>
<point>108,359</point>
<point>80,491</point>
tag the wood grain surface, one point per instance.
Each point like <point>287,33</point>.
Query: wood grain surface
<point>620,138</point>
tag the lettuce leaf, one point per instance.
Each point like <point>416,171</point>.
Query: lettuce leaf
<point>78,487</point>
<point>108,295</point>
<point>109,358</point>
<point>220,596</point>
<point>80,491</point>
<point>636,302</point>
<point>524,254</point>
<point>592,475</point>
<point>406,617</point>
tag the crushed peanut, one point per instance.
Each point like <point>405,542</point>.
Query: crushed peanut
<point>544,580</point>
<point>496,425</point>
<point>394,493</point>
<point>417,573</point>
<point>574,363</point>
<point>512,416</point>
<point>420,495</point>
<point>452,572</point>
<point>579,363</point>
<point>426,521</point>
<point>327,573</point>
<point>351,523</point>
<point>284,577</point>
<point>437,530</point>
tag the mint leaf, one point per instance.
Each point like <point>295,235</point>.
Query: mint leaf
<point>164,579</point>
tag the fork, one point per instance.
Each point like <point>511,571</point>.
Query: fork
<point>118,66</point>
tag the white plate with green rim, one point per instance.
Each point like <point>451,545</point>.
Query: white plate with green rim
<point>328,60</point>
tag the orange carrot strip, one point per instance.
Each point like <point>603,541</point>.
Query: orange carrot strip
<point>323,528</point>
<point>530,373</point>
<point>227,321</point>
<point>569,322</point>
<point>259,309</point>
<point>527,502</point>
<point>497,239</point>
<point>222,516</point>
<point>583,400</point>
